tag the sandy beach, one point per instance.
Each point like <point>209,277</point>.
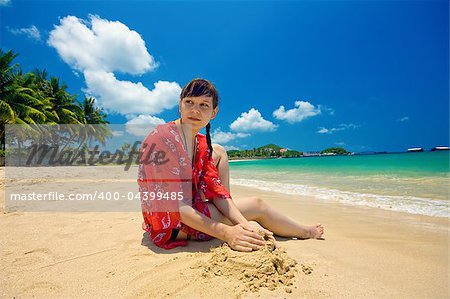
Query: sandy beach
<point>365,253</point>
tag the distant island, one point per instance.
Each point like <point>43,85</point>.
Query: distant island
<point>274,151</point>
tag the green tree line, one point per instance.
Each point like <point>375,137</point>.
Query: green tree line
<point>35,98</point>
<point>269,150</point>
<point>273,150</point>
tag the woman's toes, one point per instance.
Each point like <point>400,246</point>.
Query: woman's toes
<point>320,228</point>
<point>318,231</point>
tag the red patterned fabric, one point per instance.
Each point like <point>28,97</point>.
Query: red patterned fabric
<point>162,216</point>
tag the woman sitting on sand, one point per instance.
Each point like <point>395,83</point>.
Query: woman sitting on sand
<point>211,212</point>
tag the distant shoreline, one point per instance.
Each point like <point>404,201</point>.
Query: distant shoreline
<point>322,155</point>
<point>240,160</point>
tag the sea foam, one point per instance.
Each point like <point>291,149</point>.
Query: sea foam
<point>408,204</point>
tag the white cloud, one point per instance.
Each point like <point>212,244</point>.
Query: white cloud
<point>131,98</point>
<point>230,147</point>
<point>98,48</point>
<point>142,125</point>
<point>323,108</point>
<point>224,137</point>
<point>106,45</point>
<point>30,32</point>
<point>303,111</point>
<point>341,127</point>
<point>405,118</point>
<point>252,121</point>
<point>117,133</point>
<point>323,130</point>
<point>4,2</point>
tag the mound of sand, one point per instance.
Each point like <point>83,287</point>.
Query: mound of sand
<point>270,267</point>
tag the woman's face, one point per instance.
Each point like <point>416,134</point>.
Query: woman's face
<point>197,111</point>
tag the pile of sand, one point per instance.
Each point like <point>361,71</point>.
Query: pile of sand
<point>270,267</point>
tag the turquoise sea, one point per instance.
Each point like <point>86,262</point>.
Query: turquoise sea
<point>415,183</point>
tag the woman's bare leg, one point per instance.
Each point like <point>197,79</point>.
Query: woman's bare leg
<point>215,215</point>
<point>254,208</point>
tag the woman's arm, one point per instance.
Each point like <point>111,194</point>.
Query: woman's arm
<point>226,207</point>
<point>219,195</point>
<point>239,237</point>
<point>229,210</point>
<point>200,222</point>
<point>220,158</point>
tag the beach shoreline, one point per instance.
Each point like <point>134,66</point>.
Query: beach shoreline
<point>366,253</point>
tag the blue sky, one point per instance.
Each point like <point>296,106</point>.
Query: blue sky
<point>363,75</point>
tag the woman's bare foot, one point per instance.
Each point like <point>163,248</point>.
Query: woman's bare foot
<point>315,231</point>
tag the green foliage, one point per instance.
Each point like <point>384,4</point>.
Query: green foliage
<point>335,150</point>
<point>31,98</point>
<point>271,145</point>
<point>266,151</point>
<point>292,154</point>
<point>275,151</point>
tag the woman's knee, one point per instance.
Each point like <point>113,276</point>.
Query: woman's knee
<point>253,208</point>
<point>260,204</point>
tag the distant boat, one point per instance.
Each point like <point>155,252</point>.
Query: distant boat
<point>415,149</point>
<point>329,154</point>
<point>440,148</point>
<point>311,154</point>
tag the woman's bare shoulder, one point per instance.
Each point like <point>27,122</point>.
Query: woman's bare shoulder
<point>218,148</point>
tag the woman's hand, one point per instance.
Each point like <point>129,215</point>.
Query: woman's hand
<point>244,237</point>
<point>267,232</point>
<point>258,228</point>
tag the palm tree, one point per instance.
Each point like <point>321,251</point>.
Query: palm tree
<point>63,107</point>
<point>31,98</point>
<point>43,87</point>
<point>7,75</point>
<point>92,114</point>
<point>125,147</point>
<point>94,118</point>
<point>7,90</point>
<point>19,101</point>
<point>95,125</point>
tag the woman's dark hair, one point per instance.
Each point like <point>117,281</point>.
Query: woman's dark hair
<point>197,88</point>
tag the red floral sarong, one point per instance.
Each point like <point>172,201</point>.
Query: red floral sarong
<point>176,175</point>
